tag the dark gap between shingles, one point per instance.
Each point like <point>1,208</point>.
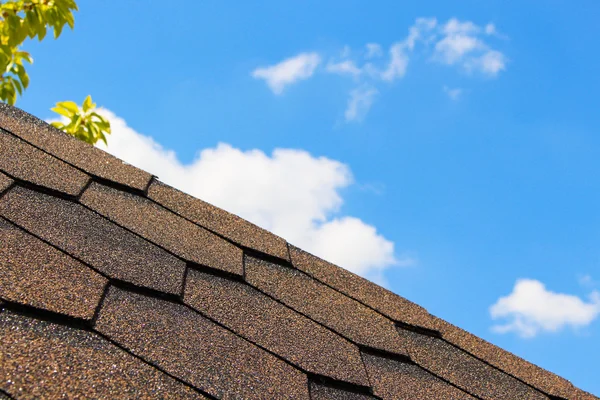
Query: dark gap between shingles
<point>8,188</point>
<point>46,315</point>
<point>42,189</point>
<point>216,272</point>
<point>335,384</point>
<point>5,394</point>
<point>418,329</point>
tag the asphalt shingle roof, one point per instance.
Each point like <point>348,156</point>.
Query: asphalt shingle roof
<point>115,285</point>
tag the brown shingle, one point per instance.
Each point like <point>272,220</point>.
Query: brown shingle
<point>395,380</point>
<point>464,370</point>
<point>217,220</point>
<point>25,162</point>
<point>93,239</point>
<point>275,327</point>
<point>323,392</point>
<point>530,373</point>
<point>36,274</point>
<point>344,315</point>
<point>44,360</point>
<point>82,155</point>
<point>197,350</point>
<point>5,182</point>
<point>382,300</point>
<point>164,228</point>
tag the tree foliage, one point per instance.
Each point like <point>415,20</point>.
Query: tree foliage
<point>30,19</point>
<point>82,122</point>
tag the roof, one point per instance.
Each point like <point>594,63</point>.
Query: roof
<point>115,285</point>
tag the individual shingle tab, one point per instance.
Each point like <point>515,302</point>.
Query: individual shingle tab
<point>35,274</point>
<point>323,392</point>
<point>395,380</point>
<point>382,300</point>
<point>344,315</point>
<point>196,350</point>
<point>25,162</point>
<point>93,239</point>
<point>220,221</point>
<point>42,360</point>
<point>465,371</point>
<point>82,155</point>
<point>530,373</point>
<point>5,182</point>
<point>164,228</point>
<point>275,327</point>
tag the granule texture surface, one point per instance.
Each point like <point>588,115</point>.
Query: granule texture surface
<point>275,327</point>
<point>196,350</point>
<point>23,161</point>
<point>41,359</point>
<point>36,274</point>
<point>95,240</point>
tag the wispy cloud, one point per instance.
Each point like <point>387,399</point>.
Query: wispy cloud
<point>531,309</point>
<point>346,67</point>
<point>288,71</point>
<point>360,101</point>
<point>453,43</point>
<point>453,93</point>
<point>462,43</point>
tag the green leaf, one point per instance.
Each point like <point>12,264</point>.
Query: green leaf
<point>87,104</point>
<point>69,105</point>
<point>61,111</point>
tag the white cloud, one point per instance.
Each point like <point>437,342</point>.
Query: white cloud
<point>490,29</point>
<point>462,43</point>
<point>453,93</point>
<point>531,309</point>
<point>289,192</point>
<point>374,50</point>
<point>490,63</point>
<point>346,67</point>
<point>452,48</point>
<point>360,102</point>
<point>422,30</point>
<point>285,73</point>
<point>396,67</point>
<point>454,26</point>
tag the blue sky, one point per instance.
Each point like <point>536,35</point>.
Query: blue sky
<point>465,178</point>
